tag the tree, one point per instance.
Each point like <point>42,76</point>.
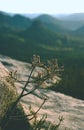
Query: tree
<point>48,73</point>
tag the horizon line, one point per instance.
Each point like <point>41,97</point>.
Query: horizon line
<point>41,13</point>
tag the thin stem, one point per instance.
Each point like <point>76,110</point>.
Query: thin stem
<point>33,114</point>
<point>27,81</point>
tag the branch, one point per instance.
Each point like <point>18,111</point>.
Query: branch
<point>34,114</point>
<point>20,117</point>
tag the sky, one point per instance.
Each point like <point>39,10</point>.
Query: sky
<point>42,6</point>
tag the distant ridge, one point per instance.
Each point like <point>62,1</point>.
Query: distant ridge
<point>73,17</point>
<point>79,31</point>
<point>39,33</point>
<point>15,21</point>
<point>52,23</point>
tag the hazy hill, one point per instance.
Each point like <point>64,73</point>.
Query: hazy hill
<point>39,33</point>
<point>72,25</point>
<point>16,21</point>
<point>51,22</point>
<point>21,22</point>
<point>38,38</point>
<point>74,17</point>
<point>71,21</point>
<point>45,18</point>
<point>79,31</point>
<point>35,36</point>
<point>60,24</point>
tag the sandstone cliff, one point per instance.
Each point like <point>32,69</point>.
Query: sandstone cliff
<point>8,95</point>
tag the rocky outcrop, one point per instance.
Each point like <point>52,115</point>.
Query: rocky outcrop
<point>58,104</point>
<point>7,91</point>
<point>8,95</point>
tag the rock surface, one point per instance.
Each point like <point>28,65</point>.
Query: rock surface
<point>8,95</point>
<point>57,104</point>
<point>7,91</point>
